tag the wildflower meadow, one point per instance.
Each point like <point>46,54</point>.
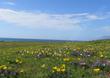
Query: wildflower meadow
<point>90,59</point>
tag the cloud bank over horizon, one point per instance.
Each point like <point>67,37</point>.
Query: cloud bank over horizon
<point>47,20</point>
<point>73,23</point>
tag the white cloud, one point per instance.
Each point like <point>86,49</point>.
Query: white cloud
<point>9,3</point>
<point>105,15</point>
<point>93,17</point>
<point>37,20</point>
<point>96,17</point>
<point>45,20</point>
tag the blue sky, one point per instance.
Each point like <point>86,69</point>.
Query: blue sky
<point>55,19</point>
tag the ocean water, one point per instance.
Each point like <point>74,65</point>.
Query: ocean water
<point>28,40</point>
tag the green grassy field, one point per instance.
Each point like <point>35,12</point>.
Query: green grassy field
<point>55,59</point>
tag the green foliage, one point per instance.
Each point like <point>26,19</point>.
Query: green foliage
<point>55,59</point>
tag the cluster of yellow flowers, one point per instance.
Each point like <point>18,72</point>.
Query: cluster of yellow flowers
<point>66,59</point>
<point>21,71</point>
<point>43,66</point>
<point>4,67</point>
<point>96,70</point>
<point>18,61</point>
<point>61,68</point>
